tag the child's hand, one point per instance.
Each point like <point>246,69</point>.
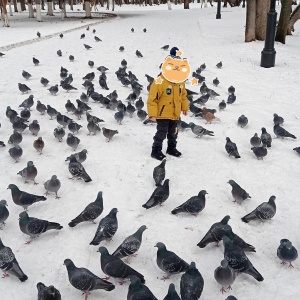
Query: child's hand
<point>185,112</point>
<point>153,119</point>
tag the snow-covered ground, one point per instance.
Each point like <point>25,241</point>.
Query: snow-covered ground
<point>122,169</point>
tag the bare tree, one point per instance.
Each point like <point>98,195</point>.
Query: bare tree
<point>286,8</point>
<point>262,8</point>
<point>250,21</point>
<point>186,4</point>
<point>295,16</point>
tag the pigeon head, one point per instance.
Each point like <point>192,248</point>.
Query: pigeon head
<point>166,183</point>
<point>203,193</point>
<point>275,115</point>
<point>227,242</point>
<point>103,251</point>
<point>30,164</point>
<point>69,264</point>
<point>288,245</point>
<point>231,182</point>
<point>142,228</point>
<point>23,215</point>
<point>54,177</point>
<point>228,139</point>
<point>51,291</point>
<point>263,130</point>
<point>99,197</point>
<point>224,264</point>
<point>192,125</point>
<point>163,163</point>
<point>284,241</point>
<point>171,288</point>
<point>272,199</point>
<point>40,286</point>
<point>73,158</point>
<point>13,187</point>
<point>3,202</point>
<point>225,219</point>
<point>134,280</point>
<point>40,138</point>
<point>160,246</point>
<point>70,135</point>
<point>113,211</point>
<point>35,121</point>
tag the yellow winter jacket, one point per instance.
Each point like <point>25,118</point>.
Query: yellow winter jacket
<point>167,100</point>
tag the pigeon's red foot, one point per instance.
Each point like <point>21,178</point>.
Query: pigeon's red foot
<point>165,278</point>
<point>122,282</point>
<point>28,242</point>
<point>291,266</point>
<point>222,290</point>
<point>229,288</point>
<point>106,278</point>
<point>86,295</point>
<point>283,263</point>
<point>5,275</point>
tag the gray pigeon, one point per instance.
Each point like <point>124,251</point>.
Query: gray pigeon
<point>95,119</point>
<point>59,53</point>
<point>87,47</point>
<point>70,107</point>
<point>73,126</point>
<point>231,90</point>
<point>22,198</point>
<point>202,100</point>
<point>83,106</point>
<point>15,153</point>
<point>130,109</point>
<point>44,81</point>
<point>23,88</point>
<point>216,81</point>
<point>84,280</point>
<point>266,138</point>
<point>121,48</point>
<point>90,77</point>
<point>166,47</point>
<point>260,152</point>
<point>159,196</point>
<point>115,267</point>
<point>297,149</point>
<point>138,53</point>
<point>109,133</point>
<point>25,114</point>
<point>242,121</point>
<point>281,132</point>
<point>277,120</point>
<point>138,291</point>
<point>119,116</point>
<point>35,61</point>
<point>77,170</point>
<point>287,252</point>
<point>91,212</point>
<point>71,58</point>
<point>93,128</point>
<point>194,205</point>
<point>80,156</point>
<point>172,294</point>
<point>131,244</point>
<point>39,144</point>
<point>27,103</point>
<point>212,93</point>
<point>34,127</point>
<point>67,87</point>
<point>255,141</point>
<point>219,65</point>
<point>62,120</point>
<point>231,148</point>
<point>238,194</point>
<point>169,262</point>
<point>222,105</point>
<point>35,227</point>
<point>29,173</point>
<point>52,112</point>
<point>91,63</point>
<point>19,126</point>
<point>216,232</point>
<point>224,276</point>
<point>16,138</point>
<point>231,99</point>
<point>106,228</point>
<point>238,261</point>
<point>4,213</point>
<point>199,131</point>
<point>159,173</point>
<point>84,97</point>
<point>59,133</point>
<point>53,90</point>
<point>142,115</point>
<point>52,185</point>
<point>264,211</point>
<point>182,125</point>
<point>73,141</point>
<point>191,283</point>
<point>9,264</point>
<point>47,292</point>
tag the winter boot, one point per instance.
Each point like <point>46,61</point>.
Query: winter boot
<point>156,152</point>
<point>171,150</point>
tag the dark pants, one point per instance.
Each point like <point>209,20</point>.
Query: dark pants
<point>166,128</point>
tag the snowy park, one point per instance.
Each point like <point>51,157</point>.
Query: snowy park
<point>86,86</point>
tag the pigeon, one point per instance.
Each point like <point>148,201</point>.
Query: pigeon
<point>172,294</point>
<point>71,58</point>
<point>238,241</point>
<point>202,100</point>
<point>182,125</point>
<point>34,127</point>
<point>94,30</point>
<point>89,76</point>
<point>35,227</point>
<point>109,133</point>
<point>231,99</point>
<point>40,107</point>
<point>84,280</point>
<point>194,205</point>
<point>87,47</point>
<point>281,132</point>
<point>169,262</point>
<point>238,261</point>
<point>63,75</point>
<point>73,141</point>
<point>106,228</point>
<point>119,116</point>
<point>130,109</point>
<point>77,170</point>
<point>123,63</point>
<point>224,276</point>
<point>25,114</point>
<point>238,194</point>
<point>208,116</point>
<point>138,53</point>
<point>102,69</point>
<point>297,149</point>
<point>80,156</point>
<point>222,105</point>
<point>29,173</point>
<point>47,293</point>
<point>23,88</point>
<point>264,211</point>
<point>70,107</point>
<point>91,63</point>
<point>44,81</point>
<point>95,119</point>
<point>38,34</point>
<point>137,290</point>
<point>67,87</point>
<point>277,120</point>
<point>52,185</point>
<point>159,196</point>
<point>82,106</point>
<point>35,61</point>
<point>255,141</point>
<point>73,126</point>
<point>61,35</point>
<point>287,252</point>
<point>59,133</point>
<point>4,214</point>
<point>159,173</point>
<point>53,90</point>
<point>191,283</point>
<point>199,131</point>
<point>39,144</point>
<point>216,232</point>
<point>26,75</point>
<point>62,120</point>
<point>88,28</point>
<point>132,30</point>
<point>10,112</point>
<point>260,152</point>
<point>266,138</point>
<point>231,90</point>
<point>113,95</point>
<point>93,128</point>
<point>131,244</point>
<point>59,53</point>
<point>212,93</point>
<point>19,126</point>
<point>145,30</point>
<point>91,212</point>
<point>69,79</point>
<point>115,267</point>
<point>231,148</point>
<point>15,153</point>
<point>216,81</point>
<point>121,48</point>
<point>9,264</point>
<point>242,121</point>
<point>103,83</point>
<point>219,65</point>
<point>125,81</point>
<point>1,54</point>
<point>97,39</point>
<point>203,67</point>
<point>203,88</point>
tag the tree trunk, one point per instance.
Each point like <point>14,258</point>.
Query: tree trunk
<point>71,5</point>
<point>38,10</point>
<point>43,4</point>
<point>286,6</point>
<point>30,9</point>
<point>87,6</point>
<point>15,5</point>
<point>250,21</point>
<point>50,8</point>
<point>23,6</point>
<point>262,9</point>
<point>113,5</point>
<point>294,18</point>
<point>10,9</point>
<point>186,4</point>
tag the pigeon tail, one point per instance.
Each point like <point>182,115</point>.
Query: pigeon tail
<point>205,241</point>
<point>150,203</point>
<point>53,225</point>
<point>97,239</point>
<point>249,248</point>
<point>86,177</point>
<point>16,271</point>
<point>74,222</point>
<point>131,272</point>
<point>109,287</point>
<point>253,272</point>
<point>177,210</point>
<point>249,217</point>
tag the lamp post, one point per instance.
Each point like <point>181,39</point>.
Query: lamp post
<point>218,15</point>
<point>268,54</point>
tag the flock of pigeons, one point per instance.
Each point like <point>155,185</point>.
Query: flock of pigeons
<point>114,265</point>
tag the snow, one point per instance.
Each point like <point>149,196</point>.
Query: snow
<point>122,169</point>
